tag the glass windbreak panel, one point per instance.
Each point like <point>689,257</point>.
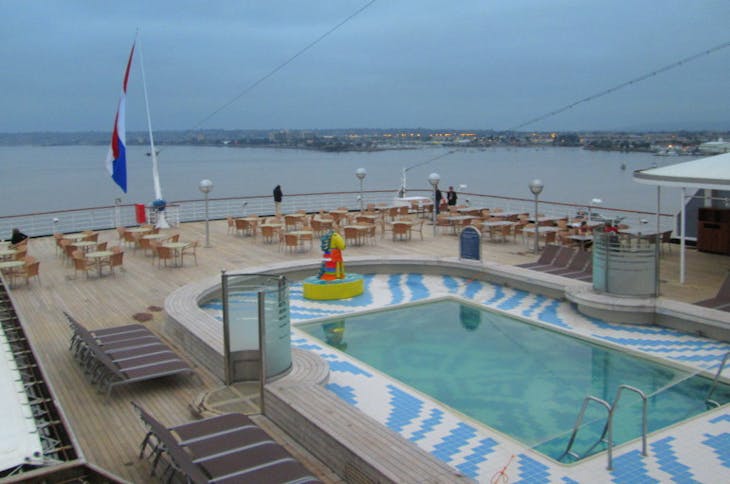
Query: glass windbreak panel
<point>516,377</point>
<point>243,319</point>
<point>278,330</point>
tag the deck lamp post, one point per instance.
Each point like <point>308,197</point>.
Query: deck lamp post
<point>361,173</point>
<point>434,179</point>
<point>206,186</point>
<point>536,187</point>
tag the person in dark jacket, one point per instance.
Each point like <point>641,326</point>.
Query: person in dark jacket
<point>17,237</point>
<point>451,197</point>
<point>278,195</point>
<point>438,197</point>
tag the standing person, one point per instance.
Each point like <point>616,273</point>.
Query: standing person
<point>451,197</point>
<point>438,197</point>
<point>277,199</point>
<point>17,237</point>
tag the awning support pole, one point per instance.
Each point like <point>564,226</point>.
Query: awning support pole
<point>683,224</point>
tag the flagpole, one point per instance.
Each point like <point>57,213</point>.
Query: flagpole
<point>161,220</point>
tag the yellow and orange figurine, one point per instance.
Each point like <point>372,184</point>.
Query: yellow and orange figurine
<point>332,282</point>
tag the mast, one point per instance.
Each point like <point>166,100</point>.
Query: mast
<point>161,220</point>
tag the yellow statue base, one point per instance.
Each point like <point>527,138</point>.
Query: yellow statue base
<point>315,288</point>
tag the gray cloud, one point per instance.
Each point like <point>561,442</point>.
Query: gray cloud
<point>467,64</point>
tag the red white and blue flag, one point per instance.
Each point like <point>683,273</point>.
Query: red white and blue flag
<point>116,159</point>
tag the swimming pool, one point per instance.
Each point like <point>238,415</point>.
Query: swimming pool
<point>518,378</point>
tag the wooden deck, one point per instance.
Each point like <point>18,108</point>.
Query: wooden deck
<point>109,434</point>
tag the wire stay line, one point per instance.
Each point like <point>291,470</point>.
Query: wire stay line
<point>279,67</point>
<point>635,80</point>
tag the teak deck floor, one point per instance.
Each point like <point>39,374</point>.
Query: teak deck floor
<point>109,434</point>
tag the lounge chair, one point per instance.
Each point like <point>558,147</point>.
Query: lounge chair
<point>122,355</point>
<point>549,252</point>
<point>224,448</point>
<point>577,264</point>
<point>722,298</point>
<point>561,261</point>
<point>584,275</point>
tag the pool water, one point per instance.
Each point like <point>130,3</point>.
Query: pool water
<point>518,378</point>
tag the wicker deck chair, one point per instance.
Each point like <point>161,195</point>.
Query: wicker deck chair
<point>549,252</point>
<point>722,298</point>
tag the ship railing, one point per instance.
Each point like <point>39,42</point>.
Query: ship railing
<point>107,217</point>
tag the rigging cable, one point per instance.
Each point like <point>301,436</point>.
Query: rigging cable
<point>279,67</point>
<point>661,70</point>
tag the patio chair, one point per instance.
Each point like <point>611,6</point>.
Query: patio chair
<point>352,236</point>
<point>401,231</point>
<point>291,242</point>
<point>549,252</point>
<point>268,233</point>
<point>120,233</point>
<point>190,249</point>
<point>146,246</point>
<point>114,260</point>
<point>29,270</point>
<point>164,254</point>
<point>231,225</point>
<point>417,226</point>
<point>722,298</point>
<point>58,237</point>
<point>82,264</point>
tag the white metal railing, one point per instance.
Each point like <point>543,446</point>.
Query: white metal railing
<point>107,217</point>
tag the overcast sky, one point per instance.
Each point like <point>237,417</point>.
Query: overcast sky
<point>479,64</point>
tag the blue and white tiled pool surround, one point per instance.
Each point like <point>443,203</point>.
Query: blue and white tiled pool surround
<point>696,451</point>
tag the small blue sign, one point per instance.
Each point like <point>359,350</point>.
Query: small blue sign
<point>470,244</point>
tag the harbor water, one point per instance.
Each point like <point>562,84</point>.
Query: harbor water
<point>42,178</point>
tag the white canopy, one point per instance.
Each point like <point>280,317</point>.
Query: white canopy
<point>712,172</point>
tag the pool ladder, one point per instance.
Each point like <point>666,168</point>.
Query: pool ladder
<point>708,398</point>
<point>607,434</point>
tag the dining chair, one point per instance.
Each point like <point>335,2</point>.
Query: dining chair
<point>291,242</point>
<point>401,231</point>
<point>164,254</point>
<point>82,264</point>
<point>190,249</point>
<point>30,270</point>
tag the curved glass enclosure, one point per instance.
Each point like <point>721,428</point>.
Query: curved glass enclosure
<point>626,264</point>
<point>250,302</point>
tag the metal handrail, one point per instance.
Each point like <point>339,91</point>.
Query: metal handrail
<point>713,387</point>
<point>644,422</point>
<point>110,216</point>
<point>579,421</point>
<point>607,434</point>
